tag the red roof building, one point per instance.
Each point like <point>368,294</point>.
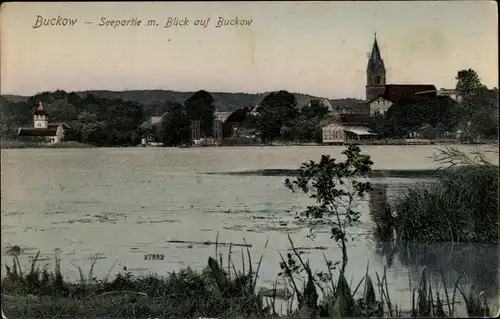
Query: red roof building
<point>376,85</point>
<point>42,130</point>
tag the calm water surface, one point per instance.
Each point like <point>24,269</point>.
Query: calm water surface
<point>122,203</point>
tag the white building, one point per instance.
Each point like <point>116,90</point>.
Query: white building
<point>42,130</point>
<point>333,133</point>
<point>379,105</point>
<point>338,133</point>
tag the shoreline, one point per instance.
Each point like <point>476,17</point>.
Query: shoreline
<point>375,173</point>
<point>12,144</point>
<point>9,144</point>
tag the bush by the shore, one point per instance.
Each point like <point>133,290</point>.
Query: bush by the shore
<point>461,207</point>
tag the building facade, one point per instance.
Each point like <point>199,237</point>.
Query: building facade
<point>339,133</point>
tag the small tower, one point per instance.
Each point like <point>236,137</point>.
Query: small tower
<point>375,73</point>
<point>40,117</point>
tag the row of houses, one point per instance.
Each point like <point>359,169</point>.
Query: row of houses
<point>349,123</point>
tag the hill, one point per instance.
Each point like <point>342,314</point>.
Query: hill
<point>223,101</point>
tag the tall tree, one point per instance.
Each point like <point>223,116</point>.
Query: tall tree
<point>200,107</point>
<point>468,83</point>
<point>276,110</point>
<point>175,127</point>
<point>478,106</point>
<point>484,118</point>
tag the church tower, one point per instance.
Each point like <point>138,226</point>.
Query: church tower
<point>40,119</point>
<point>375,73</point>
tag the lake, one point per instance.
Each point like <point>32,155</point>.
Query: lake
<point>121,203</point>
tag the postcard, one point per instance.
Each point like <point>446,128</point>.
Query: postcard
<point>249,159</point>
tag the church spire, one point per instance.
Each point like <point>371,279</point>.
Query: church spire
<point>376,60</point>
<point>39,109</point>
<point>375,73</point>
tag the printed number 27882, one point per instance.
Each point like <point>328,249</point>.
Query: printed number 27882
<point>154,257</point>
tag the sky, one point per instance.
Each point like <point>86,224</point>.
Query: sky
<point>318,48</point>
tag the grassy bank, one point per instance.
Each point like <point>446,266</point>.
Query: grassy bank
<point>7,144</point>
<point>222,291</point>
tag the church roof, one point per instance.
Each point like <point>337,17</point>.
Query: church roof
<point>39,110</point>
<point>409,93</point>
<point>375,62</point>
<point>29,131</point>
<point>51,130</point>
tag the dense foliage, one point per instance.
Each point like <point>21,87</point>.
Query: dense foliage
<point>403,118</point>
<point>93,120</point>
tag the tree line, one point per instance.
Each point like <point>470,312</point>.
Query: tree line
<point>474,113</point>
<point>106,122</point>
<point>114,122</point>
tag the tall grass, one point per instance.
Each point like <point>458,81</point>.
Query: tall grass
<point>223,291</point>
<point>214,292</point>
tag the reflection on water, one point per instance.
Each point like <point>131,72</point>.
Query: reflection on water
<point>474,264</point>
<point>120,204</point>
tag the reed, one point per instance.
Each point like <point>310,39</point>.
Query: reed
<point>461,206</point>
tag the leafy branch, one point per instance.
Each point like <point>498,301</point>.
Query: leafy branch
<point>335,186</point>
